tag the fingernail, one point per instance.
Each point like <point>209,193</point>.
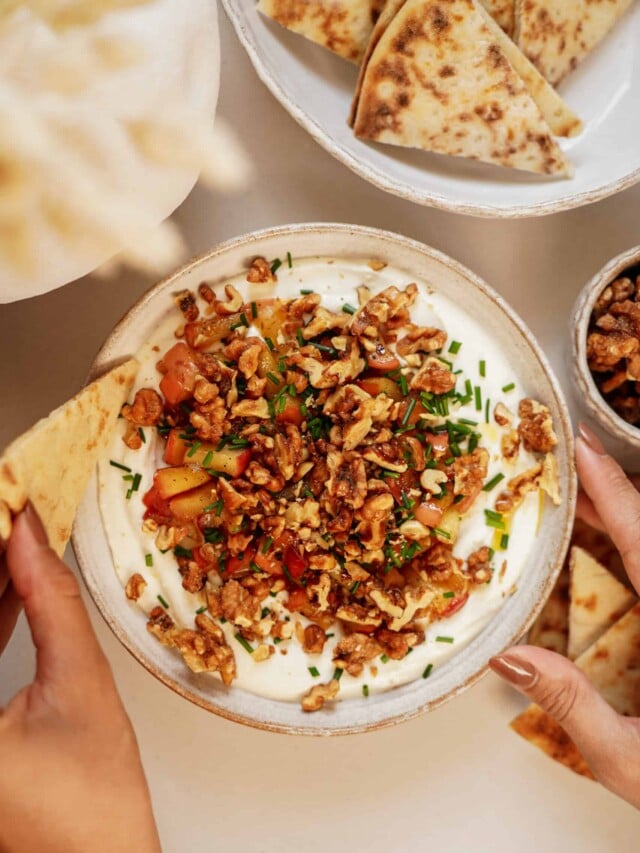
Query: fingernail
<point>517,672</point>
<point>35,525</point>
<point>591,439</point>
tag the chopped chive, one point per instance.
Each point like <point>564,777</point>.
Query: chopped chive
<point>148,559</point>
<point>354,587</point>
<point>264,612</point>
<point>136,482</point>
<point>392,475</point>
<point>384,658</point>
<point>493,483</point>
<point>315,672</point>
<point>254,310</point>
<point>255,567</point>
<point>128,478</point>
<point>118,465</point>
<point>275,266</point>
<point>328,636</point>
<point>195,448</point>
<point>268,543</point>
<point>482,367</point>
<point>277,641</point>
<point>244,643</point>
<point>273,378</point>
<point>427,671</point>
<point>409,412</point>
<point>303,410</point>
<point>487,416</point>
<point>473,441</point>
<point>289,260</point>
<point>454,347</point>
<point>491,554</point>
<point>478,396</point>
<point>179,551</point>
<point>402,382</point>
<point>448,594</point>
<point>300,337</point>
<point>504,541</point>
<point>163,602</point>
<point>467,422</point>
<point>440,532</point>
<point>142,435</point>
<point>306,292</point>
<point>349,309</point>
<point>202,609</point>
<point>235,326</point>
<point>206,462</point>
<point>509,387</point>
<point>337,674</point>
<point>365,691</point>
<point>494,519</point>
<point>244,321</point>
<point>444,639</point>
<point>270,344</point>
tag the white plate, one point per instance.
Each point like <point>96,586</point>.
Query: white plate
<point>505,628</point>
<point>316,88</point>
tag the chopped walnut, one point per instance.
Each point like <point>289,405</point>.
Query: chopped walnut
<point>136,585</point>
<point>510,445</point>
<point>434,376</point>
<point>314,639</point>
<point>518,488</point>
<point>479,566</point>
<point>352,652</point>
<point>421,339</point>
<point>502,415</point>
<point>536,427</point>
<point>233,303</point>
<point>146,410</point>
<point>319,694</point>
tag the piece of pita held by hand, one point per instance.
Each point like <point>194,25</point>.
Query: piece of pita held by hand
<point>557,35</point>
<point>441,78</point>
<point>342,26</point>
<point>51,464</point>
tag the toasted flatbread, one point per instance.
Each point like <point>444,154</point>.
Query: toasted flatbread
<point>612,664</point>
<point>503,12</point>
<point>51,464</point>
<point>438,80</point>
<point>557,34</point>
<point>562,121</point>
<point>551,628</point>
<point>342,26</point>
<point>597,599</point>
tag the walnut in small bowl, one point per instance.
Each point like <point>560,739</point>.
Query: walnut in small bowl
<point>606,338</point>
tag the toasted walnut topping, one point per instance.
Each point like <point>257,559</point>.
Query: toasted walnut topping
<point>396,645</point>
<point>347,479</point>
<point>433,376</point>
<point>413,529</point>
<point>502,415</point>
<point>238,605</point>
<point>251,409</point>
<point>233,303</point>
<point>536,427</point>
<point>260,272</point>
<point>510,445</point>
<point>432,480</point>
<point>518,488</point>
<point>193,577</point>
<point>262,652</point>
<point>321,590</point>
<point>314,639</point>
<point>352,652</point>
<point>416,599</point>
<point>385,310</point>
<point>358,614</point>
<point>147,408</point>
<point>324,321</point>
<point>470,471</point>
<point>421,339</point>
<point>549,478</point>
<point>132,437</point>
<point>136,585</point>
<point>319,694</point>
<point>246,352</point>
<point>186,302</point>
<point>377,265</point>
<point>390,601</point>
<point>479,566</point>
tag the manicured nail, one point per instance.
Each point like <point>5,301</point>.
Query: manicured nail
<point>517,672</point>
<point>35,525</point>
<point>591,439</point>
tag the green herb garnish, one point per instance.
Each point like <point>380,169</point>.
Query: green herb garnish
<point>493,483</point>
<point>444,639</point>
<point>427,671</point>
<point>315,672</point>
<point>148,560</point>
<point>244,643</point>
<point>163,602</point>
<point>118,465</point>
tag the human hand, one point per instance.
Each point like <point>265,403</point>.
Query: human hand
<point>71,779</point>
<point>609,742</point>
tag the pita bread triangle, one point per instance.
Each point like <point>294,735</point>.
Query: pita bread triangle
<point>503,12</point>
<point>342,26</point>
<point>612,664</point>
<point>551,628</point>
<point>557,34</point>
<point>598,600</point>
<point>52,463</point>
<point>470,104</point>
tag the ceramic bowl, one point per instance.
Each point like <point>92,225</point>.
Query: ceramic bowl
<point>621,438</point>
<point>316,88</point>
<point>513,619</point>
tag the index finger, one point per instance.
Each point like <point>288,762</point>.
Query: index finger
<point>615,499</point>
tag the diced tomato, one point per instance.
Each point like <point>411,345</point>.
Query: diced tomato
<point>429,513</point>
<point>202,562</point>
<point>268,562</point>
<point>375,385</point>
<point>179,478</point>
<point>406,481</point>
<point>467,502</point>
<point>291,413</point>
<point>295,562</point>
<point>382,359</point>
<point>439,441</point>
<point>180,371</point>
<point>456,603</point>
<point>176,448</point>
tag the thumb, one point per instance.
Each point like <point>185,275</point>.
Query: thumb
<point>559,688</point>
<point>67,648</point>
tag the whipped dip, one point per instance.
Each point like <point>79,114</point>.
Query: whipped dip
<point>285,676</point>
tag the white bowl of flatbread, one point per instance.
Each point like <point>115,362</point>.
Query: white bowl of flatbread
<point>471,106</point>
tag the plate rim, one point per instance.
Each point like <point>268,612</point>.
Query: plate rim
<point>104,358</point>
<point>382,181</point>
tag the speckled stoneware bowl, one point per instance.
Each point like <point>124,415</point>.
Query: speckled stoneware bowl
<point>620,438</point>
<point>518,612</point>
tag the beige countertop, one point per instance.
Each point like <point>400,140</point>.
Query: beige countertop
<point>455,780</point>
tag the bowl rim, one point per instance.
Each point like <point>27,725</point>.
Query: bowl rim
<point>101,361</point>
<point>609,419</point>
<point>385,182</point>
